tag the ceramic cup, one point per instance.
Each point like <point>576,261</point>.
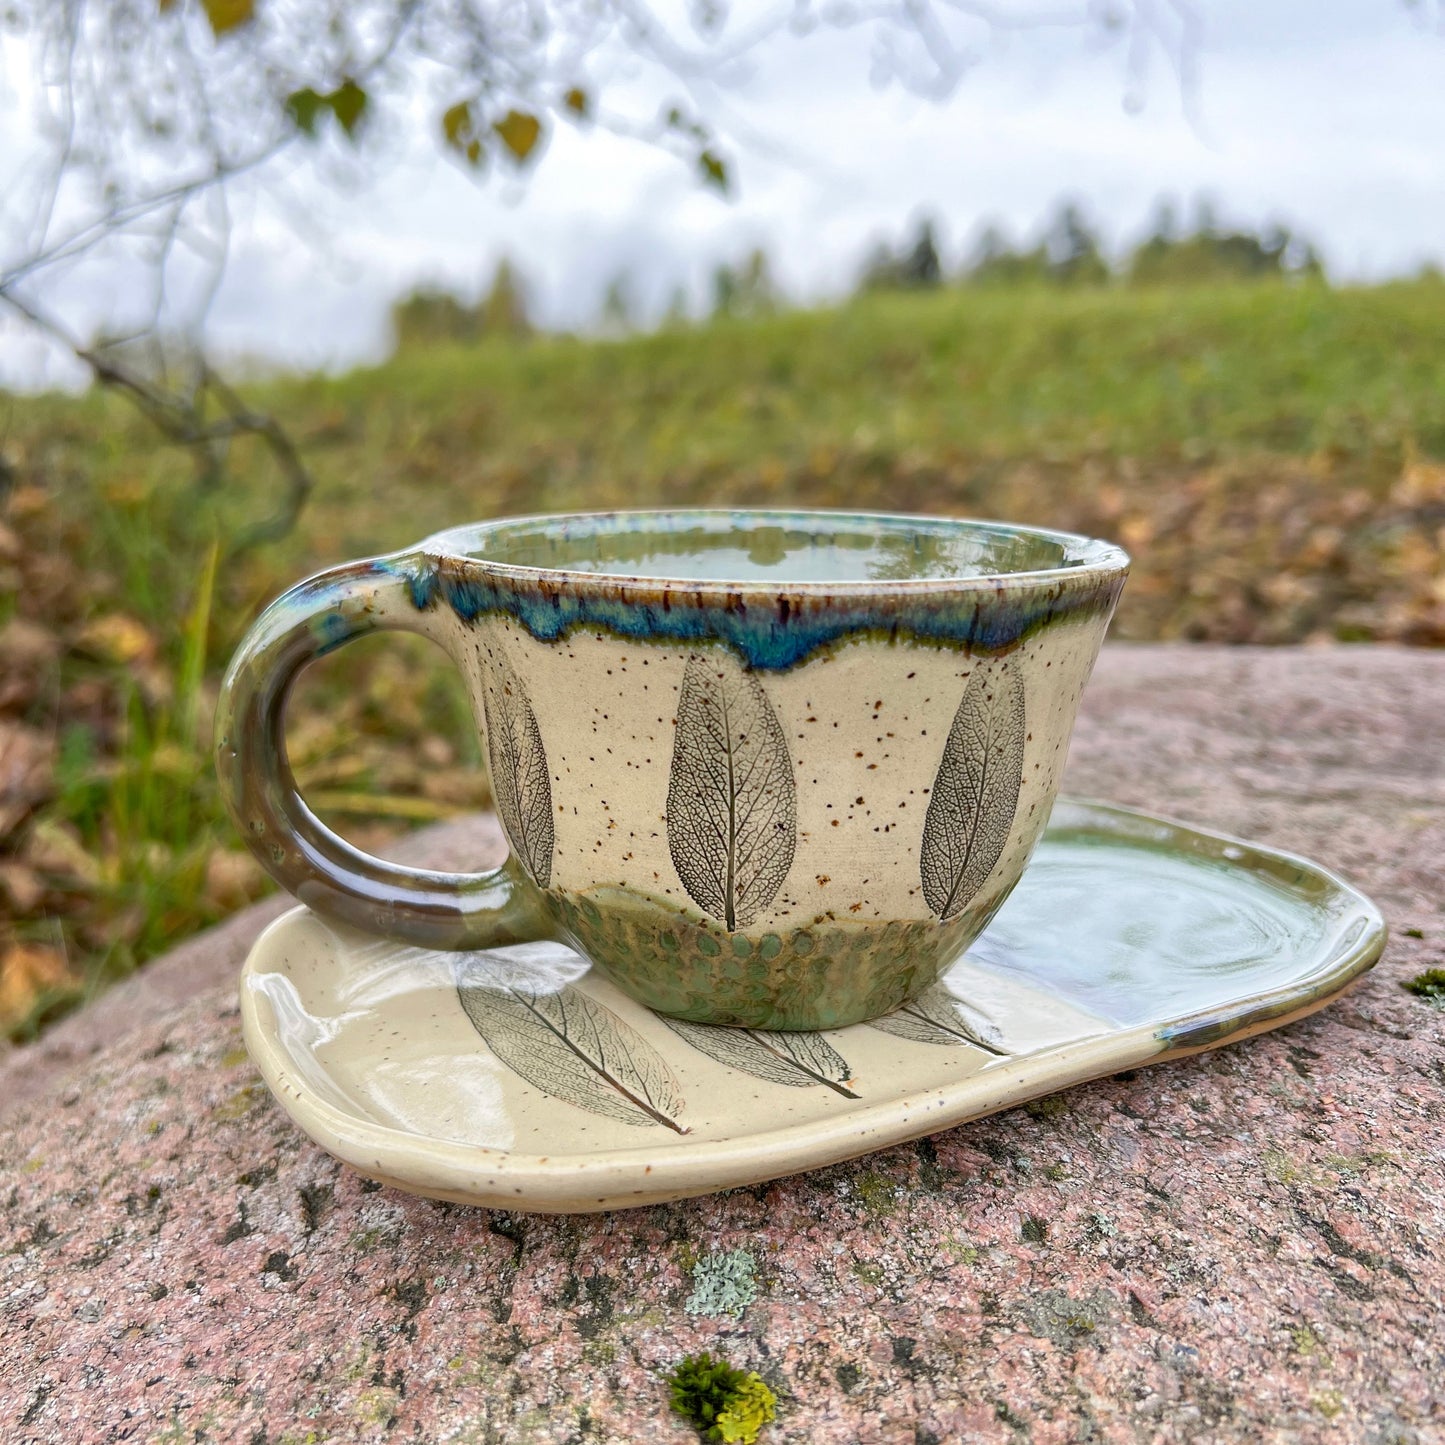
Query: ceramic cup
<point>762,768</point>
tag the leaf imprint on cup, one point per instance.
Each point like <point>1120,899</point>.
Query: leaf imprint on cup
<point>520,782</point>
<point>971,809</point>
<point>936,1017</point>
<point>732,807</point>
<point>570,1046</point>
<point>799,1060</point>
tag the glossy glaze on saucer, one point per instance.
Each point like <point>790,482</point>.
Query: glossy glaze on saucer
<point>521,1078</point>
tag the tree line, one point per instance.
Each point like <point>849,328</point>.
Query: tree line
<point>1067,250</point>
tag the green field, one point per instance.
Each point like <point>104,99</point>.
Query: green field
<point>1273,454</point>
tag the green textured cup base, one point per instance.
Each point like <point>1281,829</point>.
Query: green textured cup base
<point>822,976</point>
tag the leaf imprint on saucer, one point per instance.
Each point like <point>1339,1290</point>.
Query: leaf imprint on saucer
<point>971,809</point>
<point>936,1017</point>
<point>732,807</point>
<point>570,1046</point>
<point>520,782</point>
<point>799,1060</point>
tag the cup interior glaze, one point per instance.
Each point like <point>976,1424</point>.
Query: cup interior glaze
<point>765,769</point>
<point>739,550</point>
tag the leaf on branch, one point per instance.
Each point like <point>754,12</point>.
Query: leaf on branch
<point>457,123</point>
<point>714,170</point>
<point>303,106</point>
<point>459,130</point>
<point>578,102</point>
<point>675,118</point>
<point>226,15</point>
<point>348,104</point>
<point>519,132</point>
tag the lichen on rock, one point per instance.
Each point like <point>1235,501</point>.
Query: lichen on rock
<point>724,1282</point>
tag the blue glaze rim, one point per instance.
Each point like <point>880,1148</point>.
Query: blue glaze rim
<point>772,624</point>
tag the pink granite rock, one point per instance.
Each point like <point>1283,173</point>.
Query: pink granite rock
<point>1246,1245</point>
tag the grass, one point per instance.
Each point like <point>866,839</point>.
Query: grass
<point>1273,454</point>
<point>977,375</point>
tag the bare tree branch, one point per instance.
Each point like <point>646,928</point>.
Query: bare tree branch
<point>183,421</point>
<point>156,111</point>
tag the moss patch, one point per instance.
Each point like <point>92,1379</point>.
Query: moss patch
<point>877,1193</point>
<point>1034,1229</point>
<point>1051,1106</point>
<point>1430,985</point>
<point>724,1403</point>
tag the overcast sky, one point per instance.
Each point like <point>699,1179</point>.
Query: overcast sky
<point>1326,114</point>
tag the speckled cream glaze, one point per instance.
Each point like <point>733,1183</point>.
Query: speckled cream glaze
<point>865,723</point>
<point>582,675</point>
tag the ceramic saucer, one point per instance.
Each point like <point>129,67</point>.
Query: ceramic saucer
<point>518,1078</point>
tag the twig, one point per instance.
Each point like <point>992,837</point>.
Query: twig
<point>182,421</point>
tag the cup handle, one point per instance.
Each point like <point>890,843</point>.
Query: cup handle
<point>336,880</point>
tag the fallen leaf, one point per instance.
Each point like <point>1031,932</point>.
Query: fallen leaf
<point>1420,484</point>
<point>116,639</point>
<point>112,928</point>
<point>28,501</point>
<point>127,491</point>
<point>27,773</point>
<point>382,805</point>
<point>22,886</point>
<point>88,698</point>
<point>457,787</point>
<point>232,880</point>
<point>29,972</point>
<point>55,848</point>
<point>27,652</point>
<point>154,683</point>
<point>56,589</point>
<point>1136,533</point>
<point>27,644</point>
<point>436,751</point>
<point>171,760</point>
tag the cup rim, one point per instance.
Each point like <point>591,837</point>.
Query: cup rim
<point>1088,559</point>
